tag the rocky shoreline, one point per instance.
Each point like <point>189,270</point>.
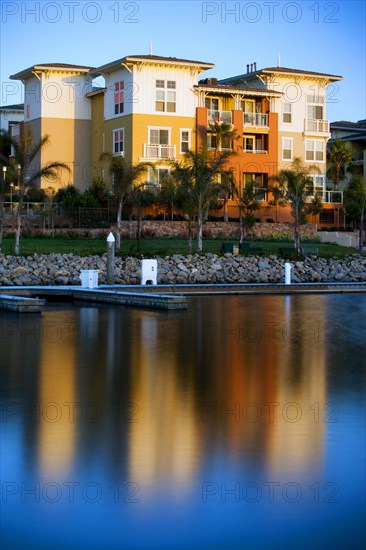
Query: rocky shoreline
<point>65,269</point>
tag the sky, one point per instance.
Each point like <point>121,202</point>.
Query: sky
<point>319,36</point>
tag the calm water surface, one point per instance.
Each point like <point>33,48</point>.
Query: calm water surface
<point>238,424</point>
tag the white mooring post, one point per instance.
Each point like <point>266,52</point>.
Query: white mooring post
<point>288,267</point>
<point>149,272</point>
<point>111,245</point>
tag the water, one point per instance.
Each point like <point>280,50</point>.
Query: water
<point>239,423</point>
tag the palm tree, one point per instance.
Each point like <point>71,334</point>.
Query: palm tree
<point>125,175</point>
<point>197,173</point>
<point>339,157</point>
<point>23,161</point>
<point>295,185</point>
<point>247,203</point>
<point>225,133</point>
<point>355,203</point>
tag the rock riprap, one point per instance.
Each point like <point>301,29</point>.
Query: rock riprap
<point>65,269</point>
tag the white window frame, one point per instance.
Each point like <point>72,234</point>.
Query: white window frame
<point>168,128</point>
<point>119,90</point>
<point>288,112</point>
<point>181,141</point>
<point>253,140</point>
<point>153,177</point>
<point>165,97</point>
<point>291,149</point>
<point>123,141</point>
<point>315,101</point>
<point>317,186</point>
<point>315,150</point>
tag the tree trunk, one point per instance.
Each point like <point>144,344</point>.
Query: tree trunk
<point>190,238</point>
<point>226,215</point>
<point>138,226</point>
<point>241,225</point>
<point>19,225</point>
<point>118,236</point>
<point>199,230</point>
<point>297,230</point>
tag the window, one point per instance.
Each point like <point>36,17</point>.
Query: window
<point>184,140</point>
<point>159,144</point>
<point>248,144</point>
<point>165,96</point>
<point>119,97</point>
<point>314,150</point>
<point>287,113</point>
<point>119,141</point>
<point>327,216</point>
<point>155,176</point>
<point>315,107</point>
<point>318,185</point>
<point>212,103</point>
<point>286,148</point>
<point>158,136</point>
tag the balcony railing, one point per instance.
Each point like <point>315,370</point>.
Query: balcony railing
<point>219,116</point>
<point>329,197</point>
<point>255,119</point>
<point>256,151</point>
<point>316,125</point>
<point>159,151</point>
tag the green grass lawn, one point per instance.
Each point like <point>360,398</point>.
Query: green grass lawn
<point>152,247</point>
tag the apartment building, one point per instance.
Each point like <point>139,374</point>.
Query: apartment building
<point>154,109</point>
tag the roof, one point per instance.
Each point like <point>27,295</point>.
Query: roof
<point>285,71</point>
<point>155,59</point>
<point>17,107</point>
<point>44,67</point>
<point>361,124</point>
<point>298,71</point>
<point>220,88</point>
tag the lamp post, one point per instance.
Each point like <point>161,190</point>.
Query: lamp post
<point>11,198</point>
<point>4,178</point>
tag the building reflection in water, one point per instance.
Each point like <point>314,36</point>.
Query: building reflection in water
<point>200,380</point>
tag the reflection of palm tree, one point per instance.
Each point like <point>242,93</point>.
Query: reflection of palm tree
<point>124,177</point>
<point>339,157</point>
<point>25,155</point>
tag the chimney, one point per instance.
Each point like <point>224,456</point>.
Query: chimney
<point>255,66</point>
<point>251,67</point>
<point>248,68</point>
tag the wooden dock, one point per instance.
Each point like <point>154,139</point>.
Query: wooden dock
<point>163,297</point>
<point>21,304</point>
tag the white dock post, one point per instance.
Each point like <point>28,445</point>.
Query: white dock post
<point>288,267</point>
<point>110,258</point>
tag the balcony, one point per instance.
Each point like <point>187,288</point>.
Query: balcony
<point>316,126</point>
<point>259,120</point>
<point>219,116</point>
<point>159,151</point>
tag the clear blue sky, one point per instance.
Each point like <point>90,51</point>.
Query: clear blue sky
<point>319,36</point>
